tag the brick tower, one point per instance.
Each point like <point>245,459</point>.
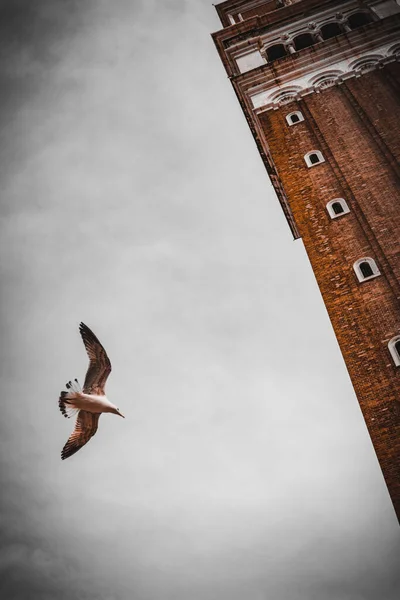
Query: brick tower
<point>319,84</point>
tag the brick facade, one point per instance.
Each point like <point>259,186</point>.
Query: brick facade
<point>354,124</point>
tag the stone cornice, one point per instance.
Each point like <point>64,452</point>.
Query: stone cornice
<point>285,13</point>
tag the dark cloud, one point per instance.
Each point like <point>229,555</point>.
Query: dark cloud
<point>31,37</point>
<point>34,35</point>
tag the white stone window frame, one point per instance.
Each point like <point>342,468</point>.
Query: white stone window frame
<point>295,112</point>
<point>308,161</point>
<point>343,204</point>
<point>375,271</point>
<point>393,350</point>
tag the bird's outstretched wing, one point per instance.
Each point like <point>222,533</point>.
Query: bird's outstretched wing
<point>99,366</point>
<point>85,428</point>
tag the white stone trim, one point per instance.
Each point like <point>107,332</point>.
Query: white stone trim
<point>343,204</point>
<point>393,351</point>
<point>307,158</point>
<point>356,266</point>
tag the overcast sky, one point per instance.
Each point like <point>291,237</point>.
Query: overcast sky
<point>134,199</point>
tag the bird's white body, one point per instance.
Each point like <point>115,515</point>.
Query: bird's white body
<point>91,402</point>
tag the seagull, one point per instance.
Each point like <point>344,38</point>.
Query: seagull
<point>90,401</point>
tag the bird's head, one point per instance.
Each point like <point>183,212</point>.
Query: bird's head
<point>116,411</point>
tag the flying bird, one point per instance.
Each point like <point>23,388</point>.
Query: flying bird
<point>90,401</point>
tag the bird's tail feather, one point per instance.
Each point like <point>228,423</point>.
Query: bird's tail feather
<point>74,386</point>
<point>66,400</point>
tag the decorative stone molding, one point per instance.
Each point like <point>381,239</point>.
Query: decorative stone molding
<point>324,77</point>
<point>285,95</point>
<point>366,64</point>
<point>286,98</point>
<point>394,50</point>
<point>325,80</point>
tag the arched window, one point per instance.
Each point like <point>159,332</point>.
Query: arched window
<point>359,20</point>
<point>366,268</point>
<point>331,30</point>
<point>275,52</point>
<point>304,40</point>
<point>314,158</point>
<point>394,349</point>
<point>337,207</point>
<point>294,117</point>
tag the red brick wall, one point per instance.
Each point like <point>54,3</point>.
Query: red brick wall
<point>355,126</point>
<point>263,9</point>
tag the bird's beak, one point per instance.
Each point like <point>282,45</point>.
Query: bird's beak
<point>121,415</point>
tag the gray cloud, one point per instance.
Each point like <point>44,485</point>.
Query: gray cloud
<point>134,199</point>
